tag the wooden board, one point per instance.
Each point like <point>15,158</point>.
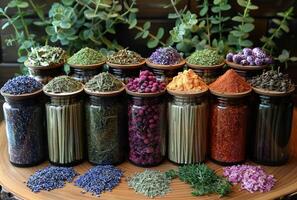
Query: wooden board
<point>13,180</point>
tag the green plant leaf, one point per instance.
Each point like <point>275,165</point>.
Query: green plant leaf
<point>146,25</point>
<point>12,4</point>
<point>242,3</point>
<point>89,14</point>
<point>252,7</point>
<point>225,7</point>
<point>285,27</point>
<point>215,9</point>
<point>152,43</point>
<point>160,33</point>
<point>203,11</point>
<point>65,24</point>
<point>22,59</point>
<point>216,2</point>
<point>23,4</point>
<point>132,20</point>
<point>276,21</point>
<point>172,16</point>
<point>50,30</point>
<point>134,10</point>
<point>237,33</point>
<point>245,43</point>
<point>145,34</point>
<point>88,33</point>
<point>247,27</point>
<point>5,25</point>
<point>293,59</point>
<point>138,35</point>
<point>67,2</point>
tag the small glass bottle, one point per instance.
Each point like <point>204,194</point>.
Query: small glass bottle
<point>106,129</point>
<point>147,130</point>
<point>273,120</point>
<point>228,128</point>
<point>25,129</point>
<point>83,75</point>
<point>64,115</point>
<point>187,123</point>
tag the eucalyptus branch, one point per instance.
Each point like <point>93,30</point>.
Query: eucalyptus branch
<point>150,35</point>
<point>23,23</point>
<point>36,10</point>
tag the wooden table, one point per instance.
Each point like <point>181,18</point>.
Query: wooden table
<point>13,180</point>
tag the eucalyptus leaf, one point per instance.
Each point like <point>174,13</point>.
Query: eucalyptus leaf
<point>247,27</point>
<point>246,43</point>
<point>5,25</point>
<point>146,25</point>
<point>23,4</point>
<point>145,34</point>
<point>68,2</point>
<point>132,20</point>
<point>160,33</point>
<point>138,35</point>
<point>203,11</point>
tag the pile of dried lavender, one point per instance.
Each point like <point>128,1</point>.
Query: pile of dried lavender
<point>99,179</point>
<point>251,178</point>
<point>151,183</point>
<point>50,178</point>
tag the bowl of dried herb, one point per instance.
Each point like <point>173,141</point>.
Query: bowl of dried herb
<point>125,59</point>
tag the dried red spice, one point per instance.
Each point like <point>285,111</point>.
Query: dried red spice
<point>230,82</point>
<point>228,127</point>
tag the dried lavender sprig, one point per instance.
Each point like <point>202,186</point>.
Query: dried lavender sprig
<point>21,85</point>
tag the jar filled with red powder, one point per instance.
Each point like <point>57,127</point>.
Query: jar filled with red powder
<point>229,114</point>
<point>147,129</point>
<point>228,128</point>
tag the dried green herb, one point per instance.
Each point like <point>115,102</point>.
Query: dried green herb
<point>125,57</point>
<point>62,84</point>
<point>86,56</point>
<point>104,82</point>
<point>205,57</point>
<point>202,179</point>
<point>151,183</point>
<point>46,56</point>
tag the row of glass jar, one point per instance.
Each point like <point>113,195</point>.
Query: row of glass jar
<point>225,128</point>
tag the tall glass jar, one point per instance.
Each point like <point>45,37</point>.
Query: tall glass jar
<point>187,123</point>
<point>147,129</point>
<point>64,115</point>
<point>84,73</point>
<point>247,72</point>
<point>106,128</point>
<point>228,128</point>
<point>125,72</point>
<point>47,73</point>
<point>273,120</point>
<point>25,128</point>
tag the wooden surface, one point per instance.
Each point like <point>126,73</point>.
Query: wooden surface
<point>13,180</point>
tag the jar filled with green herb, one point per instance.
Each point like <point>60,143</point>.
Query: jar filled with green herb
<point>64,115</point>
<point>85,64</point>
<point>207,63</point>
<point>46,62</point>
<point>125,64</point>
<point>105,120</point>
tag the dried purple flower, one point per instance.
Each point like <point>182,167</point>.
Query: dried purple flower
<point>229,57</point>
<point>21,85</point>
<point>165,56</point>
<point>237,58</point>
<point>252,178</point>
<point>247,52</point>
<point>244,62</point>
<point>259,61</point>
<point>259,53</point>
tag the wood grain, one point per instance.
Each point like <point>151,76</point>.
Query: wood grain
<point>13,180</point>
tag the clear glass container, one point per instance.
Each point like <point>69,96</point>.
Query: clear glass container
<point>65,130</point>
<point>124,74</point>
<point>147,130</point>
<point>166,75</point>
<point>228,129</point>
<point>209,75</point>
<point>106,129</point>
<point>187,123</point>
<point>273,120</point>
<point>45,74</point>
<point>25,130</point>
<point>83,75</point>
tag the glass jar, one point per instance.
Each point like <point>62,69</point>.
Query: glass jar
<point>166,75</point>
<point>208,74</point>
<point>83,75</point>
<point>147,130</point>
<point>187,123</point>
<point>106,129</point>
<point>228,128</point>
<point>65,129</point>
<point>45,74</point>
<point>124,74</point>
<point>25,129</point>
<point>273,120</point>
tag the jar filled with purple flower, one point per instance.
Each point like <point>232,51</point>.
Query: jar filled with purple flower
<point>146,120</point>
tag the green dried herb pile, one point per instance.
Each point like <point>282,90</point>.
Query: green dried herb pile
<point>104,82</point>
<point>205,57</point>
<point>125,57</point>
<point>62,84</point>
<point>46,56</point>
<point>86,56</point>
<point>151,183</point>
<point>202,179</point>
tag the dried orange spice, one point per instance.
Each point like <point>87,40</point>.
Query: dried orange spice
<point>187,81</point>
